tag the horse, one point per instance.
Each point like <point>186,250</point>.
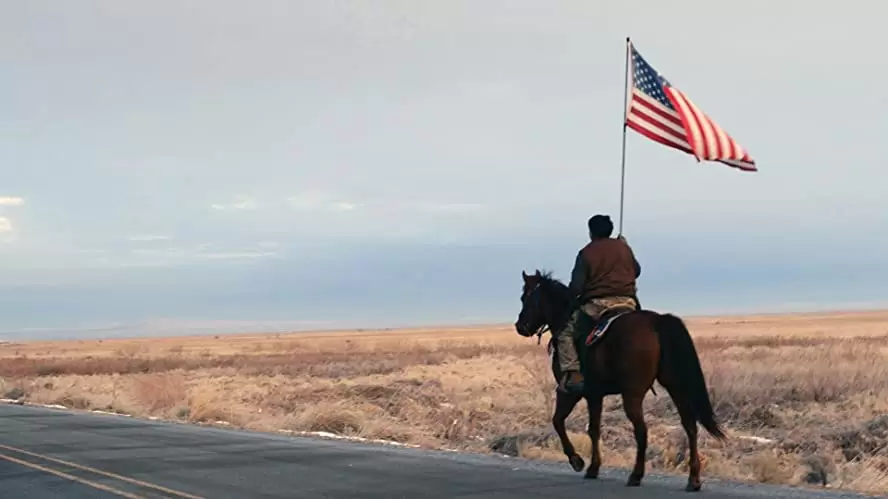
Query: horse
<point>638,347</point>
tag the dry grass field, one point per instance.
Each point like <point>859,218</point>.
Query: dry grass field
<point>804,397</point>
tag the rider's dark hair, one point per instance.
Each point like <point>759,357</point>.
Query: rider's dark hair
<point>601,226</point>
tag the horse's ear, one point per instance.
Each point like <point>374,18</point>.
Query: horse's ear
<point>538,273</point>
<point>524,275</point>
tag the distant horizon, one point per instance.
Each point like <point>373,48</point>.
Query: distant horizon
<point>187,328</point>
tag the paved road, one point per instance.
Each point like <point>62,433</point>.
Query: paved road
<point>47,453</point>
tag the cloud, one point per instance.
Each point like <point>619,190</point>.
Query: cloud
<point>240,203</point>
<point>344,206</point>
<point>11,201</point>
<point>320,201</point>
<point>183,255</point>
<point>236,255</point>
<point>315,201</point>
<point>452,207</point>
<point>148,237</point>
<point>5,225</point>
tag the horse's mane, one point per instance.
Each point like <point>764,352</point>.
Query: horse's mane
<point>561,289</point>
<point>560,296</point>
<point>547,275</point>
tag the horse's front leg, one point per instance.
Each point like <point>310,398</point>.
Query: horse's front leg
<point>564,404</point>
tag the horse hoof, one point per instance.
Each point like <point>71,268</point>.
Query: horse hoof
<point>693,487</point>
<point>634,481</point>
<point>591,474</point>
<point>576,462</point>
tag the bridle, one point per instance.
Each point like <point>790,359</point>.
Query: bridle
<point>543,328</point>
<point>541,332</point>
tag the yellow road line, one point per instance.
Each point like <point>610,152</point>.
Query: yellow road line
<point>102,472</point>
<point>73,478</point>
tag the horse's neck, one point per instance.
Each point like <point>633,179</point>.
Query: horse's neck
<point>559,319</point>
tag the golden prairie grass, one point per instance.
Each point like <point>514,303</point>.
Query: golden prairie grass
<point>805,397</point>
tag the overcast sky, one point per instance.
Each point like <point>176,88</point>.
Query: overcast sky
<point>398,162</point>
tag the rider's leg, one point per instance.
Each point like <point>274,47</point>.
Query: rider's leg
<point>568,360</point>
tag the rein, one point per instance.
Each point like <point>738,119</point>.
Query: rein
<point>536,298</point>
<point>541,332</point>
<point>545,327</point>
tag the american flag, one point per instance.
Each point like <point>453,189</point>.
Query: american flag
<point>664,114</point>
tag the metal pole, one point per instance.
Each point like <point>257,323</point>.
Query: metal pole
<point>625,111</point>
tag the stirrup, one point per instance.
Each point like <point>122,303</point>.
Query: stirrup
<point>573,388</point>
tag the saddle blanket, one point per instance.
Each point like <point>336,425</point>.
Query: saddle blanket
<point>602,326</point>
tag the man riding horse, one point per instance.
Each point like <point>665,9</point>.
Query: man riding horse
<point>603,280</point>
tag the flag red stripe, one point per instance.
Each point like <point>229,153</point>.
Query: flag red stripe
<point>702,128</point>
<point>658,128</point>
<point>657,138</point>
<point>664,120</point>
<point>732,151</point>
<point>703,133</point>
<point>691,127</point>
<point>656,124</point>
<point>669,115</point>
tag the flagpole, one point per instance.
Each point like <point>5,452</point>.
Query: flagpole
<point>623,162</point>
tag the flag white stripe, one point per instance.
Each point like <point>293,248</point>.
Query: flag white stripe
<point>726,143</point>
<point>696,139</point>
<point>665,122</point>
<point>638,94</point>
<point>658,132</point>
<point>711,149</point>
<point>712,133</point>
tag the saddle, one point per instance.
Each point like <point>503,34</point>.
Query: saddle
<point>607,318</point>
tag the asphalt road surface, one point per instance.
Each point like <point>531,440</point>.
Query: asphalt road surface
<point>48,453</point>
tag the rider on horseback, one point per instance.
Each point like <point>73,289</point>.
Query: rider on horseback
<point>603,279</point>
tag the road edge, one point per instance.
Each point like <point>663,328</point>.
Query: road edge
<point>825,492</point>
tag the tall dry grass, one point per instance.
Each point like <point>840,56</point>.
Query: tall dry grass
<point>802,408</point>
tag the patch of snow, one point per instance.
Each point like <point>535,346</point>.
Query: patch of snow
<point>96,411</point>
<point>50,406</point>
<point>758,440</point>
<point>334,436</point>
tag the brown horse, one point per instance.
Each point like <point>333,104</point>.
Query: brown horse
<point>638,348</point>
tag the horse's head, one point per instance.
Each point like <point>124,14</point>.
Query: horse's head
<point>535,313</point>
<point>545,302</point>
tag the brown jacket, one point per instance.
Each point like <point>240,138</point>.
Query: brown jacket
<point>604,268</point>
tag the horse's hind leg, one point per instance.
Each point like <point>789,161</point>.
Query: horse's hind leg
<point>564,404</point>
<point>689,422</point>
<point>595,403</point>
<point>633,405</point>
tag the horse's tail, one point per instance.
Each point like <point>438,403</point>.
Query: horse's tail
<point>676,343</point>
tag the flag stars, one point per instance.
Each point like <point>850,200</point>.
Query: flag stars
<point>648,81</point>
<point>682,126</point>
